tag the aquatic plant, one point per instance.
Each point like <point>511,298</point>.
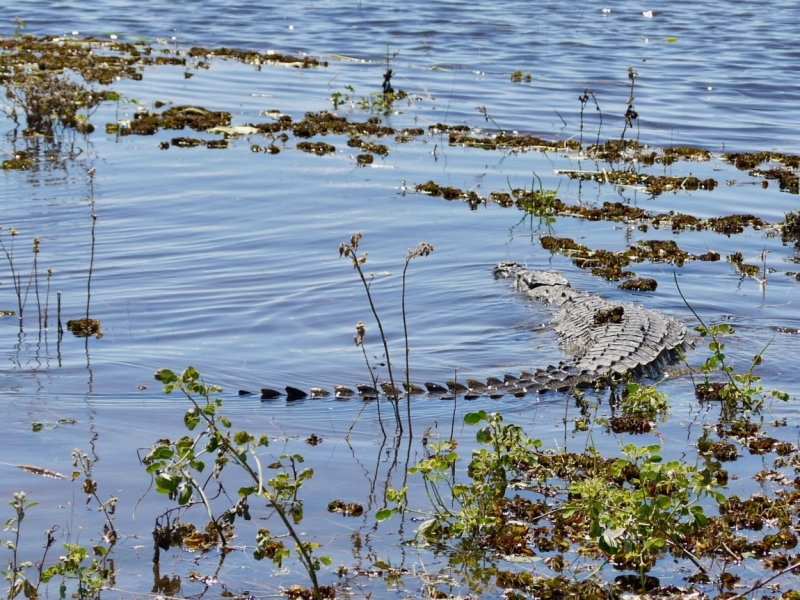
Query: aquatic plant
<point>537,203</point>
<point>27,578</point>
<point>393,393</point>
<point>177,469</point>
<point>33,280</point>
<point>740,391</point>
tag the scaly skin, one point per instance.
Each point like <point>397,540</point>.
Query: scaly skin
<point>604,338</point>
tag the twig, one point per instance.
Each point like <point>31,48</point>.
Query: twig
<point>760,584</point>
<point>422,249</point>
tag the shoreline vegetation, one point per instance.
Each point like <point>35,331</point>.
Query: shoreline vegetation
<point>515,517</point>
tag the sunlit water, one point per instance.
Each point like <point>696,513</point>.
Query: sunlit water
<point>228,260</point>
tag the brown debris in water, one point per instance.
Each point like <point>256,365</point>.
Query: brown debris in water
<point>630,424</point>
<point>85,328</point>
<point>347,509</point>
<point>609,315</point>
<point>318,148</point>
<point>639,285</point>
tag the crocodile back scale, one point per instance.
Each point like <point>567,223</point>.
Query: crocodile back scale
<point>603,337</point>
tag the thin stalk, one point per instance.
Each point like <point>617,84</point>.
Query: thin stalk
<point>14,277</point>
<point>710,331</point>
<point>394,401</point>
<point>91,267</point>
<point>455,404</point>
<point>47,296</point>
<point>375,387</point>
<point>422,249</point>
<point>90,173</point>
<point>361,331</point>
<point>36,242</point>
<point>60,328</point>
<point>408,350</point>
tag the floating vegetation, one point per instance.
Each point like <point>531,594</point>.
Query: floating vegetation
<point>518,77</point>
<point>94,60</point>
<point>504,141</point>
<point>85,328</point>
<point>19,162</point>
<point>654,185</point>
<point>196,118</point>
<point>639,285</point>
<point>318,148</point>
<point>788,180</point>
<point>351,509</point>
<point>257,59</point>
<point>378,149</point>
<point>747,161</point>
<point>738,261</point>
<point>790,230</point>
<point>610,265</point>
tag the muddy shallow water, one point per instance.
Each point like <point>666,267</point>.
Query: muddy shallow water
<point>228,259</point>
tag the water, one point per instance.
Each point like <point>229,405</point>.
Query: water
<point>228,260</point>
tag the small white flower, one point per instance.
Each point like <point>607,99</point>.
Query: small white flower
<point>648,14</point>
<point>113,36</point>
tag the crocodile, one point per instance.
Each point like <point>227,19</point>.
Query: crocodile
<point>606,340</point>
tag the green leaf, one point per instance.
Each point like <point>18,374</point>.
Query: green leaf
<point>191,419</point>
<point>165,376</point>
<point>484,436</point>
<point>671,40</point>
<point>185,495</point>
<point>384,514</point>
<point>475,418</point>
<point>242,437</point>
<point>325,560</point>
<point>166,485</point>
<point>190,375</point>
<point>225,421</point>
<point>162,453</point>
<point>663,502</point>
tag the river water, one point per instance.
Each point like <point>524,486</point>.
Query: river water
<point>228,259</point>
